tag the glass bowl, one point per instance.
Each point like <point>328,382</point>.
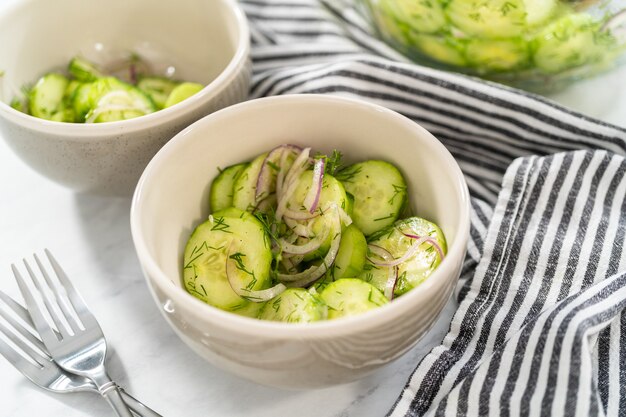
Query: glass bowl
<point>539,45</point>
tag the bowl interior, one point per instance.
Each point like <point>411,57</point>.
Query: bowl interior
<point>172,196</point>
<point>194,38</point>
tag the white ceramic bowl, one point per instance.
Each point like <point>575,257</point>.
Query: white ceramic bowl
<point>172,198</point>
<point>205,41</point>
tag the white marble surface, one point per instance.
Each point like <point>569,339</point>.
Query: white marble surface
<point>90,236</point>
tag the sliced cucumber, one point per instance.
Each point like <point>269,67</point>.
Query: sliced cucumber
<point>379,192</point>
<point>488,18</point>
<point>182,92</point>
<point>350,297</point>
<point>569,42</point>
<point>20,105</point>
<point>204,270</point>
<point>244,187</point>
<point>424,16</point>
<point>394,240</point>
<point>351,254</point>
<point>109,99</point>
<point>83,70</point>
<point>46,97</point>
<point>221,193</point>
<point>157,88</point>
<point>498,55</point>
<point>294,305</point>
<point>332,193</point>
<point>350,258</point>
<point>447,50</point>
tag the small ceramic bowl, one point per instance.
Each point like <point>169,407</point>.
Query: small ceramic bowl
<point>202,41</point>
<point>172,198</point>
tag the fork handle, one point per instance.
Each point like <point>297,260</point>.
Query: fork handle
<point>111,393</point>
<point>137,406</point>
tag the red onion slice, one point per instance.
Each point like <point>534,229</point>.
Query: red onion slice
<point>299,215</point>
<point>408,254</point>
<point>306,248</point>
<point>430,240</point>
<point>298,228</point>
<point>379,251</point>
<point>291,181</point>
<point>392,280</point>
<point>313,196</point>
<point>278,157</point>
<point>312,274</point>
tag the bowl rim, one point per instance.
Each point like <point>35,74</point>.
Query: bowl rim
<point>84,131</point>
<point>321,329</point>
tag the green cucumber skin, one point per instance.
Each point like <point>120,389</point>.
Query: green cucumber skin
<point>157,88</point>
<point>83,70</point>
<point>351,254</point>
<point>46,97</point>
<point>221,191</point>
<point>244,188</point>
<point>350,258</point>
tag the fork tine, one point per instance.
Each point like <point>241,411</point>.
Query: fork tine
<point>61,297</point>
<point>20,311</point>
<point>49,300</point>
<point>13,355</point>
<point>77,302</point>
<point>41,324</point>
<point>20,328</point>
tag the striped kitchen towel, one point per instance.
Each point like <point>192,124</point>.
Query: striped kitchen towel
<point>540,328</point>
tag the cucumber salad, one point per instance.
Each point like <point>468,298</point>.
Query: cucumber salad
<point>89,94</point>
<point>298,237</point>
<point>522,38</point>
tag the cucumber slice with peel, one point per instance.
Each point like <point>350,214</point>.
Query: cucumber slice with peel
<point>46,97</point>
<point>332,193</point>
<point>221,192</point>
<point>397,240</point>
<point>379,191</point>
<point>182,92</point>
<point>498,18</point>
<point>83,70</point>
<point>244,187</point>
<point>569,42</point>
<point>351,296</point>
<point>447,50</point>
<point>206,253</point>
<point>109,99</point>
<point>294,305</point>
<point>425,16</point>
<point>497,54</point>
<point>157,88</point>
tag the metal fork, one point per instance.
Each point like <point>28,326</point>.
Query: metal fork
<point>79,348</point>
<point>34,362</point>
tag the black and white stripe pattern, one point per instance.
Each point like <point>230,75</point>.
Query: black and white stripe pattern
<point>526,338</point>
<point>539,321</point>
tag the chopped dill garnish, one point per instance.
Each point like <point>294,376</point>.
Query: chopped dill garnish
<point>220,225</point>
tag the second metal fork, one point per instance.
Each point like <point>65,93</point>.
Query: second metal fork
<point>78,344</point>
<point>28,355</point>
